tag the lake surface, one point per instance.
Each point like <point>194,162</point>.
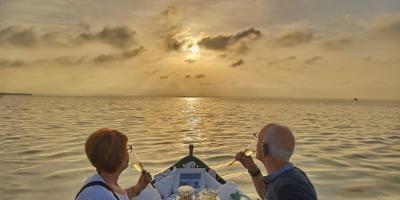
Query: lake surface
<point>349,149</point>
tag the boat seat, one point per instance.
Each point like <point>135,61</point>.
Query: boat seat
<point>198,178</point>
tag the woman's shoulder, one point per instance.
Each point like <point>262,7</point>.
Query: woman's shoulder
<point>97,191</point>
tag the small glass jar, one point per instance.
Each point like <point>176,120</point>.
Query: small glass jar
<point>185,193</point>
<point>209,194</point>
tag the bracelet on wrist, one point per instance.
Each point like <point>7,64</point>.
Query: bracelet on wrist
<point>255,173</point>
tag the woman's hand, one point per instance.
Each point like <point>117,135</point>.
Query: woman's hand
<point>144,180</point>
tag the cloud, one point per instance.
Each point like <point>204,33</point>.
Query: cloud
<point>237,63</point>
<point>119,37</point>
<point>106,58</point>
<point>222,42</point>
<point>312,60</point>
<point>83,25</point>
<point>175,40</point>
<point>11,63</point>
<point>72,61</point>
<point>338,43</point>
<point>188,76</point>
<point>164,77</point>
<point>171,29</point>
<point>278,61</point>
<point>19,37</point>
<point>388,24</point>
<point>200,76</point>
<point>171,13</point>
<point>190,61</point>
<point>62,60</point>
<point>294,38</point>
<point>243,48</point>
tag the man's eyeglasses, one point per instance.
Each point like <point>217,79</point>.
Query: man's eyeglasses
<point>130,148</point>
<point>256,136</point>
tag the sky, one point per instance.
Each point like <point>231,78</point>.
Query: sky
<point>219,48</point>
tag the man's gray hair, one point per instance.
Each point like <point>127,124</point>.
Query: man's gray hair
<point>275,148</point>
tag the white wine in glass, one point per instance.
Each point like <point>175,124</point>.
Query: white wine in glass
<point>248,151</point>
<point>135,162</point>
<point>138,166</point>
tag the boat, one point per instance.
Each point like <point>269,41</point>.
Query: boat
<point>192,171</point>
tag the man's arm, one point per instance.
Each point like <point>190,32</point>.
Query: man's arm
<point>254,172</point>
<point>258,182</point>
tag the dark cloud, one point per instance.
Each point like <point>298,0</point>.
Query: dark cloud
<point>83,25</point>
<point>200,76</point>
<point>338,43</point>
<point>170,28</point>
<point>119,37</point>
<point>312,60</point>
<point>164,77</point>
<point>190,61</point>
<point>106,58</point>
<point>237,63</point>
<point>11,63</point>
<point>17,36</point>
<point>388,24</point>
<point>294,38</point>
<point>71,61</point>
<point>170,11</point>
<point>368,58</point>
<point>278,61</point>
<point>207,84</point>
<point>174,43</point>
<point>222,42</point>
<point>67,61</point>
<point>63,60</point>
<point>152,72</point>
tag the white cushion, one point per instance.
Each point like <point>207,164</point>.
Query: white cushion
<point>164,186</point>
<point>149,193</point>
<point>211,183</point>
<point>225,191</point>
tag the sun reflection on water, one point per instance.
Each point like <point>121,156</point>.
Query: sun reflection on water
<point>193,119</point>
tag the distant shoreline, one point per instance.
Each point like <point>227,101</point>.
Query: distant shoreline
<point>206,97</point>
<point>23,94</point>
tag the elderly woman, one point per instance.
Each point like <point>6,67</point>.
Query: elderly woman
<point>108,151</point>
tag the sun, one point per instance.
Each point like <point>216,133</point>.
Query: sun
<point>191,49</point>
<point>194,49</point>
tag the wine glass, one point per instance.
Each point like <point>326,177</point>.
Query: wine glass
<point>133,159</point>
<point>248,150</point>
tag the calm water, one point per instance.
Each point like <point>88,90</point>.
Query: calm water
<point>349,149</point>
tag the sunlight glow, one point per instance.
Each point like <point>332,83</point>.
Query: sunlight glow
<point>194,49</point>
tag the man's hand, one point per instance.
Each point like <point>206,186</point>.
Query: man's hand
<point>246,161</point>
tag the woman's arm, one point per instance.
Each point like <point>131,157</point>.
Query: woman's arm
<point>144,180</point>
<point>133,191</point>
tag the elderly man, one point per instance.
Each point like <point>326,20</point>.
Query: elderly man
<point>275,146</point>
